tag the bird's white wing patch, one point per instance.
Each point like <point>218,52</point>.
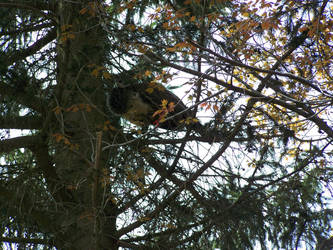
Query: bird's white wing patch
<point>138,110</point>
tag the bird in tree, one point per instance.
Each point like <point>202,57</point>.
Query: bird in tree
<point>144,104</point>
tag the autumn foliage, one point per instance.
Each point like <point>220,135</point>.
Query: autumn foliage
<point>257,76</point>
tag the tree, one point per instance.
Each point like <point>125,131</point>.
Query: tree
<point>80,177</point>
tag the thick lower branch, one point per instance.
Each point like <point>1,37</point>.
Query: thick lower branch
<point>34,103</point>
<point>18,142</point>
<point>20,122</point>
<point>24,240</point>
<point>45,163</point>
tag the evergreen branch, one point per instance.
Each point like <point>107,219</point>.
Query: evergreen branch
<point>20,122</point>
<point>39,44</point>
<point>149,215</point>
<point>25,240</point>
<point>33,6</point>
<point>34,102</point>
<point>153,235</point>
<point>28,28</point>
<point>45,163</point>
<point>18,142</point>
<point>301,166</point>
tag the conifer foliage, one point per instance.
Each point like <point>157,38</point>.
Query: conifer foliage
<point>256,74</point>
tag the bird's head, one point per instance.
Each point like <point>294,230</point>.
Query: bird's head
<point>118,100</point>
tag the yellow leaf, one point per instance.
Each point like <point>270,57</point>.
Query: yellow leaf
<point>170,226</point>
<point>113,200</point>
<point>73,108</point>
<point>266,25</point>
<point>65,27</point>
<point>66,141</point>
<point>88,108</point>
<point>148,73</point>
<point>171,107</point>
<point>131,27</point>
<point>95,72</point>
<point>157,112</point>
<point>165,25</point>
<point>164,103</point>
<point>106,75</point>
<point>181,45</point>
<point>57,110</point>
<point>81,106</point>
<point>144,219</point>
<point>58,137</point>
<point>71,187</point>
<point>173,49</point>
<point>304,28</point>
<point>149,90</point>
<point>83,11</point>
<point>70,35</point>
<point>110,127</point>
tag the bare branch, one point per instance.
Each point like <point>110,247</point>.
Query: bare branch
<point>271,72</point>
<point>307,113</point>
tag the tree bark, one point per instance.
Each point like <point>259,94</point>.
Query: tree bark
<point>88,221</point>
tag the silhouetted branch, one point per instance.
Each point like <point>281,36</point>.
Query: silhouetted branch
<point>21,54</point>
<point>20,122</point>
<point>18,142</point>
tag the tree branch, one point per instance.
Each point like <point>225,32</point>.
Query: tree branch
<point>33,6</point>
<point>27,28</point>
<point>18,142</point>
<point>309,114</point>
<point>25,241</point>
<point>20,122</point>
<point>34,103</point>
<point>21,54</point>
<point>255,69</point>
<point>45,163</point>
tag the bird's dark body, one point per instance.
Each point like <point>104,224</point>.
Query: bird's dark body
<point>138,102</point>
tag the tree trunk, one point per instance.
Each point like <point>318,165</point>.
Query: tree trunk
<point>88,221</point>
